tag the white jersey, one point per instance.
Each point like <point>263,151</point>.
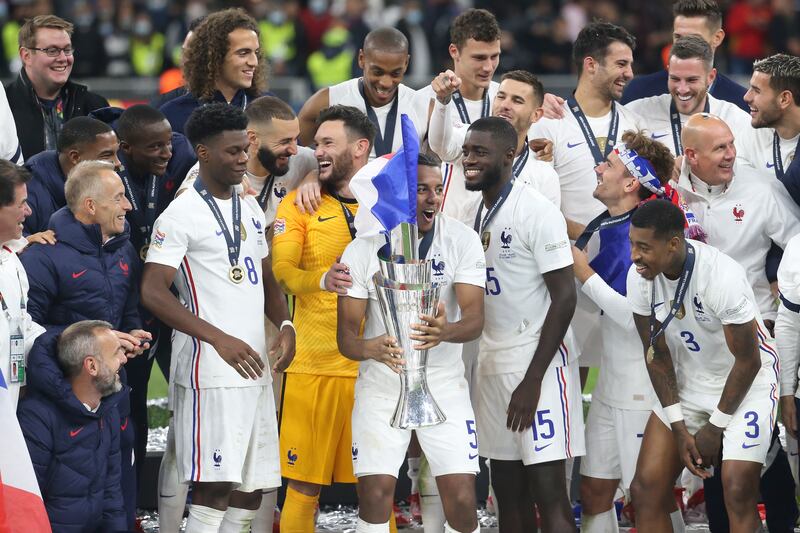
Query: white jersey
<point>742,221</point>
<point>299,166</point>
<point>446,136</point>
<point>718,294</point>
<point>15,320</point>
<point>10,149</point>
<point>623,381</point>
<point>787,325</point>
<point>760,152</point>
<point>456,257</point>
<point>347,93</point>
<point>526,238</point>
<point>188,238</point>
<point>573,159</point>
<point>655,113</point>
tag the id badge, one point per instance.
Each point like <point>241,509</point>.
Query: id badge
<point>17,356</point>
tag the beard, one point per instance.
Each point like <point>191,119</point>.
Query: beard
<point>767,118</point>
<point>269,160</point>
<point>107,382</point>
<point>491,176</point>
<point>341,170</point>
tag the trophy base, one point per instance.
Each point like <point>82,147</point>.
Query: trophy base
<point>417,409</point>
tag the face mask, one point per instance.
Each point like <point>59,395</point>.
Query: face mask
<point>318,7</point>
<point>84,21</point>
<point>414,17</point>
<point>142,28</point>
<point>277,18</point>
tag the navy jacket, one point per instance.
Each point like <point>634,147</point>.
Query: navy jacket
<point>80,278</point>
<point>655,84</point>
<point>75,453</point>
<point>178,110</point>
<point>45,190</point>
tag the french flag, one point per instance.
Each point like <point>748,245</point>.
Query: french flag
<point>386,187</point>
<point>21,505</point>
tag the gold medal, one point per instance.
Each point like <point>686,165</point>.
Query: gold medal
<point>143,251</point>
<point>650,354</point>
<point>236,274</point>
<point>486,238</point>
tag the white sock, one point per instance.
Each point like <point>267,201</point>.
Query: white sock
<point>237,520</point>
<point>605,522</point>
<point>265,516</point>
<point>366,527</point>
<point>678,526</point>
<point>413,473</point>
<point>204,519</point>
<point>171,492</point>
<point>433,519</point>
<point>448,529</point>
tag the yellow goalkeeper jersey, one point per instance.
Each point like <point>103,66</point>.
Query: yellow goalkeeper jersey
<point>304,247</point>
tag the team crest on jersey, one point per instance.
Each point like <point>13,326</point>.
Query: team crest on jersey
<point>217,456</point>
<point>354,450</point>
<point>280,192</point>
<point>291,456</point>
<point>279,226</point>
<point>505,244</point>
<point>486,239</point>
<point>699,312</point>
<point>738,213</point>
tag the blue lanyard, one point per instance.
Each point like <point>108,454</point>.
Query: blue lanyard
<point>677,303</point>
<point>461,106</point>
<point>675,123</point>
<point>521,160</point>
<point>234,243</point>
<point>602,221</point>
<point>611,138</point>
<point>383,141</point>
<point>151,202</point>
<point>492,211</point>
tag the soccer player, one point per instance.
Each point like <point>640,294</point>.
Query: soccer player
<point>475,50</point>
<point>518,100</point>
<point>787,332</point>
<point>623,397</point>
<point>318,388</point>
<point>691,73</point>
<point>695,312</point>
<point>379,93</point>
<point>741,214</point>
<point>213,245</point>
<point>451,448</point>
<point>774,100</point>
<point>690,17</point>
<point>528,389</point>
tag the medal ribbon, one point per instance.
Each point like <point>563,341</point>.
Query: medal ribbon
<point>151,201</point>
<point>613,127</point>
<point>263,196</point>
<point>383,142</point>
<point>676,126</point>
<point>492,211</point>
<point>680,293</point>
<point>521,160</point>
<point>461,107</point>
<point>234,243</point>
<point>602,221</point>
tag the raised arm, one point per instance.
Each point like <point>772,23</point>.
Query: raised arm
<point>309,113</point>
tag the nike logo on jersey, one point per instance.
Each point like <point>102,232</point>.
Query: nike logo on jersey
<point>473,456</point>
<point>124,426</point>
<point>570,145</point>
<point>747,446</point>
<point>323,219</point>
<point>73,434</point>
<point>770,165</point>
<point>540,448</point>
<point>76,275</point>
<point>218,232</point>
<point>654,136</point>
<point>656,305</point>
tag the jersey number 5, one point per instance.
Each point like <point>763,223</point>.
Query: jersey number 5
<point>492,283</point>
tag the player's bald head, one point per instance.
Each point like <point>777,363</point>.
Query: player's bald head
<point>703,127</point>
<point>386,40</point>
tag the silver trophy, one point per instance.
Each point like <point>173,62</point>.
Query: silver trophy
<point>405,290</point>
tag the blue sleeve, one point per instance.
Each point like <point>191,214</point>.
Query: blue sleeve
<point>44,283</point>
<point>773,262</point>
<point>113,506</point>
<point>39,439</point>
<point>33,223</point>
<point>130,314</point>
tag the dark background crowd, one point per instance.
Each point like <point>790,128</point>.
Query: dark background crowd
<point>125,38</point>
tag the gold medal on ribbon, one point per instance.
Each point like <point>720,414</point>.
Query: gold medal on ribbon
<point>143,251</point>
<point>236,274</point>
<point>680,313</point>
<point>486,238</point>
<point>650,354</point>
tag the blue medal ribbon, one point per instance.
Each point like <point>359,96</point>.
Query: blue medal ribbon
<point>145,218</point>
<point>233,242</point>
<point>602,221</point>
<point>591,140</point>
<point>676,126</point>
<point>383,141</point>
<point>492,211</point>
<point>680,293</point>
<point>461,106</point>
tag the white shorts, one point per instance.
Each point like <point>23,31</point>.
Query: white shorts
<point>227,434</point>
<point>557,431</point>
<point>613,439</point>
<point>450,447</point>
<point>748,436</point>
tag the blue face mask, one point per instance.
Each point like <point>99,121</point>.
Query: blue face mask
<point>414,17</point>
<point>277,18</point>
<point>318,7</point>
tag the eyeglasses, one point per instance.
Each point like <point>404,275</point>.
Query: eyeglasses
<point>54,51</point>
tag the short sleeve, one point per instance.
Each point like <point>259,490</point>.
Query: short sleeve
<point>170,239</point>
<point>548,238</point>
<point>636,286</point>
<point>729,294</point>
<point>471,268</point>
<point>357,258</point>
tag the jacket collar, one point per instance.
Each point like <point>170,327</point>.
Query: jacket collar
<point>86,238</point>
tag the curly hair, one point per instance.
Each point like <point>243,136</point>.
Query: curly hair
<point>477,24</point>
<point>205,55</point>
<point>210,120</point>
<point>658,154</point>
